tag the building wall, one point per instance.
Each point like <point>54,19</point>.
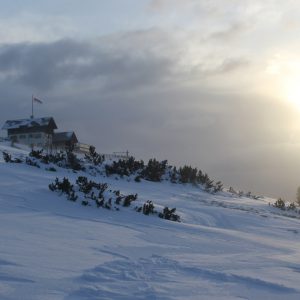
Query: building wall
<point>56,147</point>
<point>35,139</point>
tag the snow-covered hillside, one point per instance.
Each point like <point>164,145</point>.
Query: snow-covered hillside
<point>224,248</point>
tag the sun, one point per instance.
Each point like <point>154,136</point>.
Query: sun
<point>291,90</point>
<point>285,78</point>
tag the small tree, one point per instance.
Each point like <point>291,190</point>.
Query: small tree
<point>298,196</point>
<point>280,204</point>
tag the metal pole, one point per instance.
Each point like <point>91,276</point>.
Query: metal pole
<point>32,107</point>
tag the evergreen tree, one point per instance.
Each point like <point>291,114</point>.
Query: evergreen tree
<point>298,196</point>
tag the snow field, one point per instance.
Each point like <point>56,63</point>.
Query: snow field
<point>224,248</point>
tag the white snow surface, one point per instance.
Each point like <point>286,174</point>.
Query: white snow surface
<point>224,248</point>
<point>32,122</point>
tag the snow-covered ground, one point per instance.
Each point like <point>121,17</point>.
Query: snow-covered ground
<point>224,248</point>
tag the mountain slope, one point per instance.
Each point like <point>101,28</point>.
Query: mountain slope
<point>224,248</point>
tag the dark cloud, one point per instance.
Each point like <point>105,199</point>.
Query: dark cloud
<point>115,63</point>
<point>44,66</point>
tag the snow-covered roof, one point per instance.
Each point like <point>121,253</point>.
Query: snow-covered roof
<point>28,123</point>
<point>64,137</point>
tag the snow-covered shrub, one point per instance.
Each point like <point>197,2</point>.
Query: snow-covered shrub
<point>94,157</point>
<point>209,185</point>
<point>138,178</point>
<point>169,214</point>
<point>298,196</point>
<point>94,191</point>
<point>154,170</point>
<point>128,199</point>
<point>291,206</point>
<point>64,160</point>
<point>124,167</point>
<point>31,162</point>
<point>173,174</point>
<point>65,187</point>
<point>148,208</point>
<point>73,162</point>
<point>51,169</point>
<point>84,202</point>
<point>187,174</point>
<point>157,171</point>
<point>218,187</point>
<point>85,186</point>
<point>233,191</point>
<point>280,204</point>
<point>58,158</point>
<point>7,158</point>
<point>38,154</point>
<point>91,192</point>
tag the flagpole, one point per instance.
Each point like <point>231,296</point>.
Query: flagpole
<point>32,107</point>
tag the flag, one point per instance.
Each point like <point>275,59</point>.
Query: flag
<point>37,100</point>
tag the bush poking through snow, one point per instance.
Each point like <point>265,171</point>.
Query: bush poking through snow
<point>298,196</point>
<point>64,160</point>
<point>291,206</point>
<point>137,178</point>
<point>73,162</point>
<point>94,191</point>
<point>84,202</point>
<point>7,158</point>
<point>157,171</point>
<point>187,174</point>
<point>98,193</point>
<point>154,170</point>
<point>128,199</point>
<point>31,162</point>
<point>94,157</point>
<point>280,204</point>
<point>65,187</point>
<point>218,187</point>
<point>169,214</point>
<point>242,194</point>
<point>38,154</point>
<point>148,208</point>
<point>124,167</point>
<point>85,186</point>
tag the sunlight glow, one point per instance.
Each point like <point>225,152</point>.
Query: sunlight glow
<point>291,90</point>
<point>285,73</point>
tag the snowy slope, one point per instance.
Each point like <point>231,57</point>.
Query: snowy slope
<point>224,248</point>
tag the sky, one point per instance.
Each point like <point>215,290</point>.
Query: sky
<point>213,84</point>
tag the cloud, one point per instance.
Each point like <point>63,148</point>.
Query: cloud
<point>234,30</point>
<point>162,4</point>
<point>120,62</point>
<point>24,26</point>
<point>47,65</point>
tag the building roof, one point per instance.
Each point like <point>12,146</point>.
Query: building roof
<point>29,123</point>
<point>61,137</point>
